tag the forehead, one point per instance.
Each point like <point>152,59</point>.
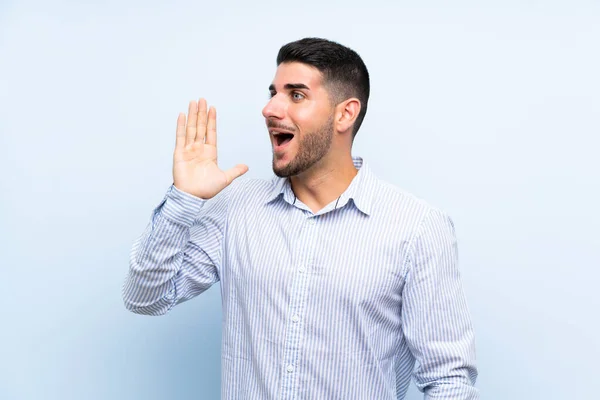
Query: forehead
<point>295,72</point>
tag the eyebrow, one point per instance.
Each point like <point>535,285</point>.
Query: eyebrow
<point>290,86</point>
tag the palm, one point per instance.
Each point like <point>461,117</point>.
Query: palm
<point>195,168</point>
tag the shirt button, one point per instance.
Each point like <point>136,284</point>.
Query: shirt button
<point>312,221</point>
<point>302,269</point>
<point>290,368</point>
<point>295,318</point>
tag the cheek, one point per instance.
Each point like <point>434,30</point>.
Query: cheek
<point>310,118</point>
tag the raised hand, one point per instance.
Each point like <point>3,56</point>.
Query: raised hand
<point>195,168</point>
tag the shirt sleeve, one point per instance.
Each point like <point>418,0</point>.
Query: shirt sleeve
<point>435,316</point>
<point>178,255</point>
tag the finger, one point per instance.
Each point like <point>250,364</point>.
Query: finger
<point>211,128</point>
<point>235,172</point>
<point>180,132</point>
<point>201,125</point>
<point>191,123</point>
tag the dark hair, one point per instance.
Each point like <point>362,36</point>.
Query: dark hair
<point>344,72</point>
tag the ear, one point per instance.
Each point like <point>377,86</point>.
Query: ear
<point>346,113</point>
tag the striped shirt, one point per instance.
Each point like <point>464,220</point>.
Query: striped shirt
<point>345,303</point>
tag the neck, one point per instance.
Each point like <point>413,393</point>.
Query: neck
<point>324,182</point>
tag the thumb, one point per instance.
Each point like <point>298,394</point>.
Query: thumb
<point>235,172</point>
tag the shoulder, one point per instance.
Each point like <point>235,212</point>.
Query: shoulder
<point>250,190</point>
<point>407,210</point>
<point>395,199</point>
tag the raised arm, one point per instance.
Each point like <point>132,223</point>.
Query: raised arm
<point>177,256</point>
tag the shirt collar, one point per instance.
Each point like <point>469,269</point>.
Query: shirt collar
<point>360,190</point>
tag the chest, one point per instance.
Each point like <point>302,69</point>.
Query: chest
<point>343,254</point>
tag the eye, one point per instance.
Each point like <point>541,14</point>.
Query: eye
<point>272,94</point>
<point>297,96</point>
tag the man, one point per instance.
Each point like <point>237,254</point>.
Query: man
<point>333,282</point>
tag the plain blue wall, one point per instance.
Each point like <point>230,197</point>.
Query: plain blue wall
<point>490,112</point>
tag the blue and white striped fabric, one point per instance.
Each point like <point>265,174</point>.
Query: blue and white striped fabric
<point>333,305</point>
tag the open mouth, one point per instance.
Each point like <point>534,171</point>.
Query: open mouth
<point>282,139</point>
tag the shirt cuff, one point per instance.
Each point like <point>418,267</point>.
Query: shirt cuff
<point>181,207</point>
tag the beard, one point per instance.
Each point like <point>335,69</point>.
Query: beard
<point>312,147</point>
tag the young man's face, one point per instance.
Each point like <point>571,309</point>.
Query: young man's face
<point>299,117</point>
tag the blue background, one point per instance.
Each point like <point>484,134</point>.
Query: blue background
<point>489,110</point>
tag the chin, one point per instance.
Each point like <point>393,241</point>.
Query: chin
<point>280,169</point>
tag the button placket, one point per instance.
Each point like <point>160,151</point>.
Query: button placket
<point>298,295</point>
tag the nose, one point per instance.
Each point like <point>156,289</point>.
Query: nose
<point>275,109</point>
